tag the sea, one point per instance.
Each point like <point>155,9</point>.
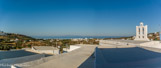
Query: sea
<point>73,37</point>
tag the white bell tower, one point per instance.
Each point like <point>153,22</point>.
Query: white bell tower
<point>142,32</point>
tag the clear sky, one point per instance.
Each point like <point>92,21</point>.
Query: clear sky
<point>78,17</point>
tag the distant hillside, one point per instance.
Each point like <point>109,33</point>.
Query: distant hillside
<point>13,36</point>
<point>14,41</point>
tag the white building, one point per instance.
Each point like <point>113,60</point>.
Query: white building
<point>141,32</point>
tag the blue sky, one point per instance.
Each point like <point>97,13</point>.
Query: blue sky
<point>78,17</point>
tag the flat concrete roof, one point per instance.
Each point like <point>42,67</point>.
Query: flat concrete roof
<point>80,58</point>
<point>132,57</point>
<point>15,54</point>
<point>109,57</point>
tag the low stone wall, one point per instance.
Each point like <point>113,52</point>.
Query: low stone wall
<point>45,51</point>
<point>150,43</point>
<point>151,49</point>
<point>72,47</point>
<point>105,42</point>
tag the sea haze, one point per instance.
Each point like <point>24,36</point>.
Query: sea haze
<point>71,37</point>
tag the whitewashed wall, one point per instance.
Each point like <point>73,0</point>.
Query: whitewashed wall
<point>72,47</point>
<point>151,43</point>
<point>105,42</point>
<point>45,51</point>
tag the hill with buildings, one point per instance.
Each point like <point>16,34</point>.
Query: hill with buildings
<point>17,41</point>
<point>13,41</point>
<point>151,36</point>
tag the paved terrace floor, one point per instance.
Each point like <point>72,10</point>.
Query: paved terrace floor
<point>114,56</point>
<point>133,57</point>
<point>80,58</point>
